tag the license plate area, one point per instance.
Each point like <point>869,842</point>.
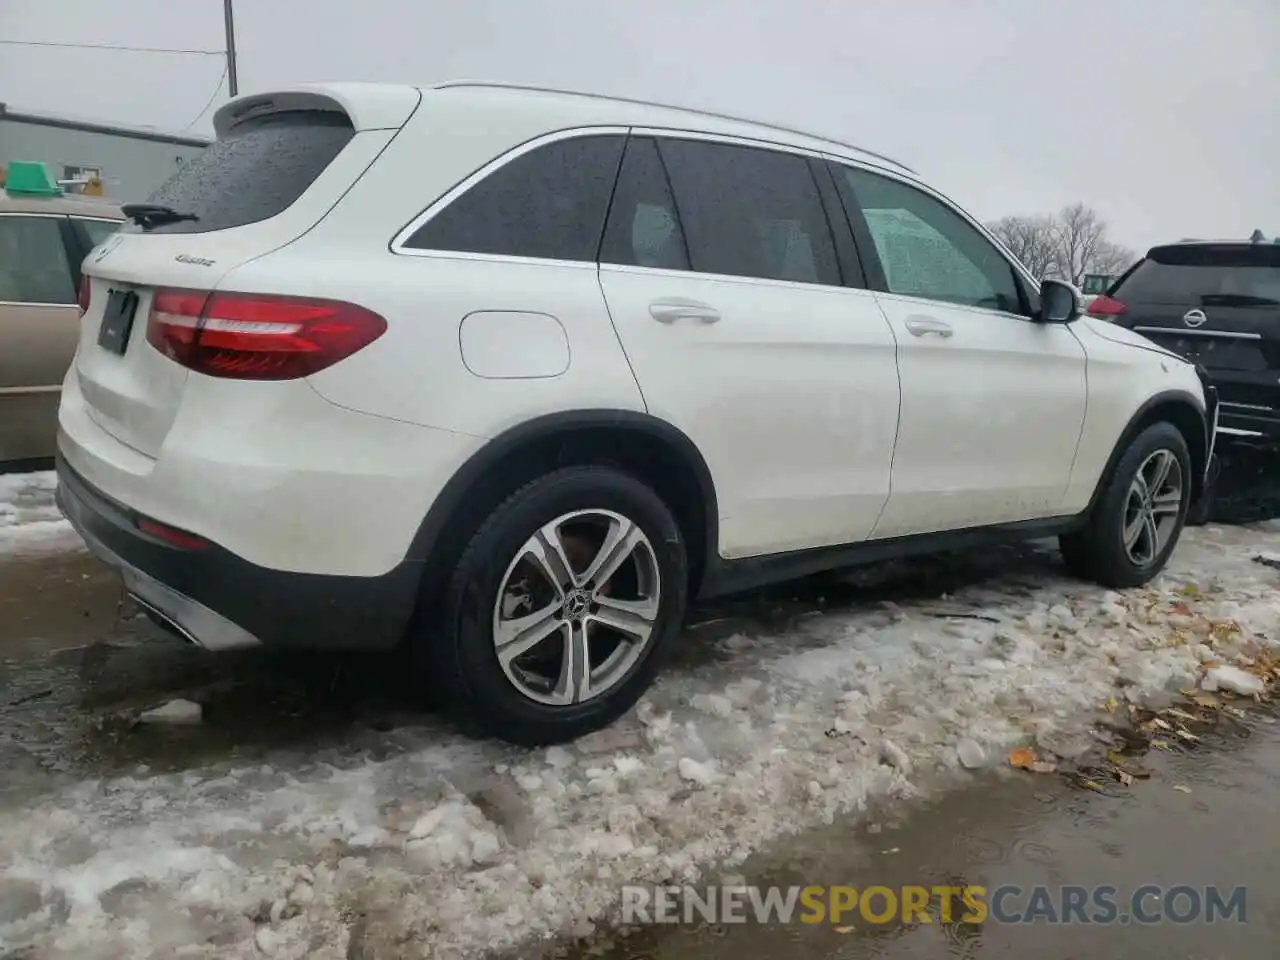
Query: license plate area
<point>117,321</point>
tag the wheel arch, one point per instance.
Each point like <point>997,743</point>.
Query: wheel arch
<point>1184,411</point>
<point>647,447</point>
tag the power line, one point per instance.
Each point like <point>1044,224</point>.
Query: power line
<point>111,46</point>
<point>216,90</point>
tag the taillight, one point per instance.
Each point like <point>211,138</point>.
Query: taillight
<point>1104,306</point>
<point>248,336</point>
<point>84,295</point>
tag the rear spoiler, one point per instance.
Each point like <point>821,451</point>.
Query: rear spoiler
<point>369,106</point>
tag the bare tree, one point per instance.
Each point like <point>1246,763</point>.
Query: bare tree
<point>1083,247</point>
<point>1033,240</point>
<point>1111,259</point>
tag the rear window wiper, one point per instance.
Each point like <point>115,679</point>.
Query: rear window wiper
<point>148,215</point>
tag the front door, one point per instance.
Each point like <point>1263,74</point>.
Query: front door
<point>992,402</point>
<point>722,279</point>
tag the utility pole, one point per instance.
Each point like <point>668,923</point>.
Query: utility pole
<point>233,85</point>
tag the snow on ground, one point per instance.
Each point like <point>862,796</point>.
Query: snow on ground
<point>463,846</point>
<point>30,521</point>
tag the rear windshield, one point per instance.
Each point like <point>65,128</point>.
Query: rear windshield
<point>257,171</point>
<point>1206,275</point>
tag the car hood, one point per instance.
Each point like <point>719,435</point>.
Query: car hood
<point>1109,331</point>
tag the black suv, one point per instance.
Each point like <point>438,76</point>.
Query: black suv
<point>1218,304</point>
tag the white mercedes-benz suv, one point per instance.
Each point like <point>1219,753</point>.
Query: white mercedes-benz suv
<point>511,376</point>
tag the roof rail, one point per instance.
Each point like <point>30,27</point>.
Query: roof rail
<point>506,85</point>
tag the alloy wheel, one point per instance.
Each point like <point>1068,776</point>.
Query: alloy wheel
<point>1152,506</point>
<point>576,608</point>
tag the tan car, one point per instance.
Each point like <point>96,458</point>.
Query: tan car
<point>43,240</point>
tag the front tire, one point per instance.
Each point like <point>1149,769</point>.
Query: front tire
<point>561,609</point>
<point>1139,517</point>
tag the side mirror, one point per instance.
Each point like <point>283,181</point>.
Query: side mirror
<point>1059,302</point>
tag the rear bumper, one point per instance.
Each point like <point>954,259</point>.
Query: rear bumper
<point>221,601</point>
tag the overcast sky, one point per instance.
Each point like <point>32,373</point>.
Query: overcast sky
<point>1162,114</point>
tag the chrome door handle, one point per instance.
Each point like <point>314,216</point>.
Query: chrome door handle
<point>677,308</point>
<point>919,326</point>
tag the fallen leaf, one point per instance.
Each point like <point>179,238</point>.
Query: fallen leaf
<point>1162,724</point>
<point>1190,590</point>
<point>1160,744</point>
<point>1223,629</point>
<point>1092,785</point>
<point>1111,705</point>
<point>1206,700</point>
<point>1180,714</point>
<point>1124,778</point>
<point>1186,735</point>
<point>1181,789</point>
<point>1022,758</point>
<point>1115,757</point>
<point>843,929</point>
<point>1182,610</point>
<point>1042,766</point>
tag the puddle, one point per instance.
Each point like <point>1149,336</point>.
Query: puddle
<point>1204,818</point>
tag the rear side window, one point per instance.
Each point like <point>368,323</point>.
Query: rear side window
<point>644,228</point>
<point>1206,275</point>
<point>549,203</point>
<point>256,172</point>
<point>33,261</point>
<point>96,230</point>
<point>749,212</point>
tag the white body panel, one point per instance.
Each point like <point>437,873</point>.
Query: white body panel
<point>135,397</point>
<point>1125,371</point>
<point>822,418</point>
<point>992,405</point>
<point>791,395</point>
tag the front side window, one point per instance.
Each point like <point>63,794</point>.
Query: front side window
<point>749,212</point>
<point>33,261</point>
<point>549,203</point>
<point>928,250</point>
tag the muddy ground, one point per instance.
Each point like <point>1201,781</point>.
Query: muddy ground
<point>78,665</point>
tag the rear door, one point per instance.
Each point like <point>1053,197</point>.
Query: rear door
<point>38,330</point>
<point>279,165</point>
<point>720,268</point>
<point>1217,305</point>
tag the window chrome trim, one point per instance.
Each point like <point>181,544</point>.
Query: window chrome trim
<point>397,245</point>
<point>29,391</point>
<point>33,303</point>
<point>1189,332</point>
<point>34,215</point>
<point>669,273</point>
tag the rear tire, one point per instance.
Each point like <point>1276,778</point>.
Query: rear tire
<point>535,691</point>
<point>1136,522</point>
